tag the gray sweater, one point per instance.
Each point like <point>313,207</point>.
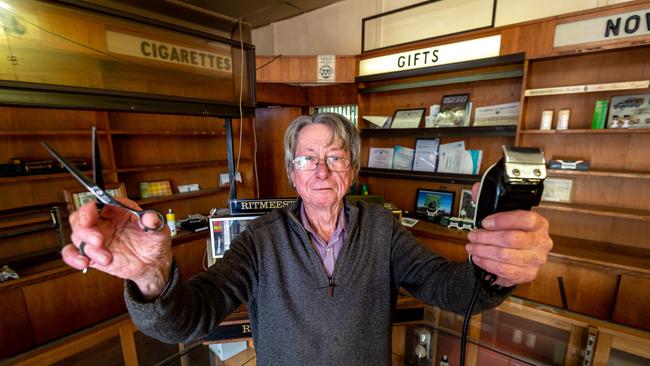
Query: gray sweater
<point>297,318</point>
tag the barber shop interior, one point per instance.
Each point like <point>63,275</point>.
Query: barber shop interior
<point>325,182</point>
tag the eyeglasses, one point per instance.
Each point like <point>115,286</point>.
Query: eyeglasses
<point>334,163</point>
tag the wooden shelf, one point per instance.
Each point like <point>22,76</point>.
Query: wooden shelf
<point>616,212</point>
<point>483,131</point>
<point>48,133</point>
<point>171,166</point>
<point>415,175</point>
<point>445,81</point>
<point>180,196</point>
<point>587,88</point>
<point>598,173</point>
<point>36,177</point>
<point>612,131</point>
<point>167,133</point>
<point>622,257</point>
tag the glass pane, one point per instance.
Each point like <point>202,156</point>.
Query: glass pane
<point>622,358</point>
<point>108,353</point>
<point>426,21</point>
<point>53,44</point>
<point>520,336</point>
<point>151,351</point>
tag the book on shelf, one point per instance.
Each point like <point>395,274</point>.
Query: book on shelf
<point>600,115</point>
<point>403,157</point>
<point>426,155</point>
<point>455,111</point>
<point>380,157</point>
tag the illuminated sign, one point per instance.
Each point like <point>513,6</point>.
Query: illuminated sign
<point>473,49</point>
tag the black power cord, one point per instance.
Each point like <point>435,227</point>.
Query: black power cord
<point>483,278</point>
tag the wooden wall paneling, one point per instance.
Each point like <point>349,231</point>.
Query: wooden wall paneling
<point>337,94</point>
<point>190,257</point>
<point>164,122</point>
<point>271,124</point>
<point>633,302</point>
<point>280,94</point>
<point>20,246</point>
<point>45,119</point>
<point>589,290</point>
<point>16,335</point>
<point>140,150</point>
<point>65,304</point>
<point>19,194</point>
<point>301,69</point>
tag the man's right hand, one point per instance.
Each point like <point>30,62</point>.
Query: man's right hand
<point>116,243</point>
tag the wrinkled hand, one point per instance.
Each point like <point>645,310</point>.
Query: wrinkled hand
<point>513,245</point>
<point>117,244</point>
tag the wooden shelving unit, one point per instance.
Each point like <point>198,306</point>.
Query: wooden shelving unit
<point>585,131</point>
<point>614,212</point>
<point>172,166</point>
<point>180,196</point>
<point>415,175</point>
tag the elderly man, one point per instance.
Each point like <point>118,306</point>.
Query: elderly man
<point>321,277</point>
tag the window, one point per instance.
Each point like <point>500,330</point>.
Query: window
<point>349,111</point>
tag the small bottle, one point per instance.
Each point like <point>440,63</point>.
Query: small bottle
<point>364,189</point>
<point>171,221</point>
<point>444,360</point>
<point>614,122</point>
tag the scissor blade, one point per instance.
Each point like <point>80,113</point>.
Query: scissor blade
<point>78,174</point>
<point>98,176</point>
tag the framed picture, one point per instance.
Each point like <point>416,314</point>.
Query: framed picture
<point>223,230</point>
<point>155,189</point>
<point>408,118</point>
<point>466,207</point>
<point>433,205</point>
<point>78,196</point>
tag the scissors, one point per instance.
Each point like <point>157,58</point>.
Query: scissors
<point>95,188</point>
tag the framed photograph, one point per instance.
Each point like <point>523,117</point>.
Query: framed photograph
<point>557,190</point>
<point>155,189</point>
<point>466,207</point>
<point>433,205</point>
<point>79,195</point>
<point>408,118</point>
<point>223,230</point>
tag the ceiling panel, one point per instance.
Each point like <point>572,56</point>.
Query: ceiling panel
<point>261,12</point>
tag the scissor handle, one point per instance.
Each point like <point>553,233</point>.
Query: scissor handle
<point>161,219</point>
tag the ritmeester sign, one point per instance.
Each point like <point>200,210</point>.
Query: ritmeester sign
<point>607,28</point>
<point>472,49</point>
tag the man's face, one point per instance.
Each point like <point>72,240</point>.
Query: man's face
<point>320,188</point>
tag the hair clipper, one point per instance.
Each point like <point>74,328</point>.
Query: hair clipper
<point>515,182</point>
